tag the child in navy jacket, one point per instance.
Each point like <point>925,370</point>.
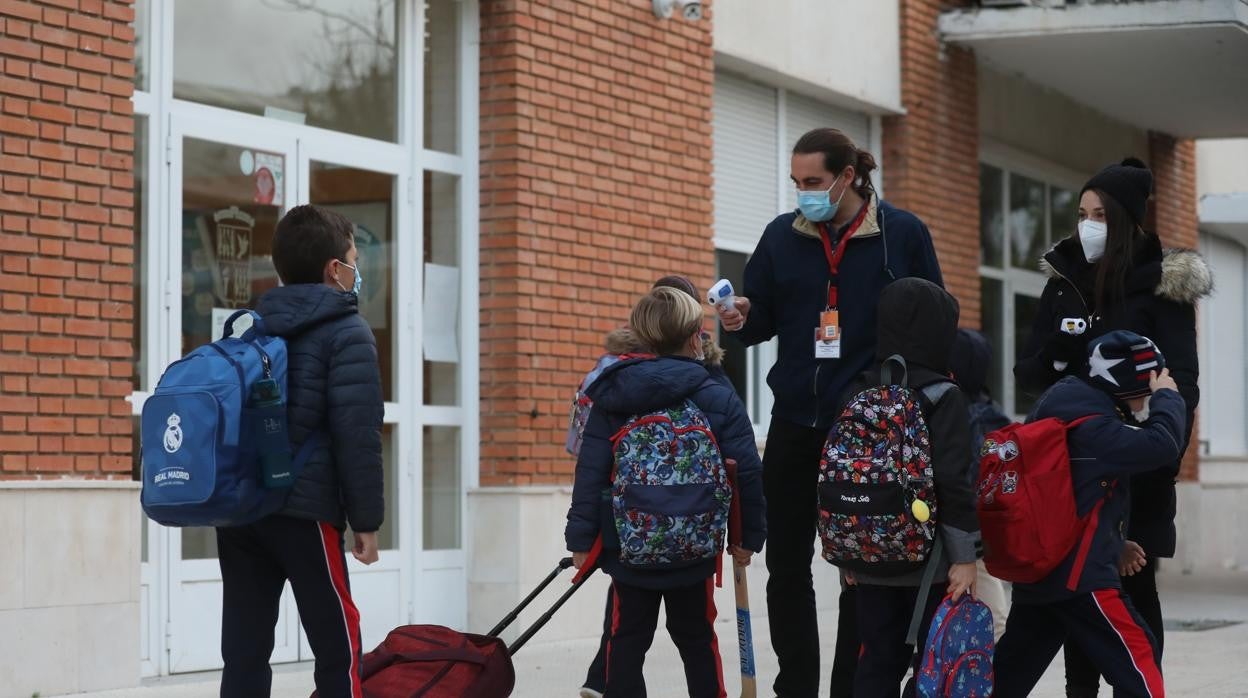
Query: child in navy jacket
<point>1137,426</point>
<point>669,323</point>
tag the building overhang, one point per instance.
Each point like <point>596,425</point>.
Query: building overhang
<point>1175,66</point>
<point>1225,215</point>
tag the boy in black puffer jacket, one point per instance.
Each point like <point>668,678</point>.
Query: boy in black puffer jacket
<point>669,323</point>
<point>1082,602</point>
<point>333,395</point>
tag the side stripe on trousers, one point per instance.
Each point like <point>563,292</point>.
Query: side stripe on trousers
<point>1134,640</point>
<point>350,614</point>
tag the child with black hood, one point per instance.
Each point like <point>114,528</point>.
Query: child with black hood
<point>917,321</point>
<point>1137,425</point>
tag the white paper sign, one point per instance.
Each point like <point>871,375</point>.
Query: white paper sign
<point>441,313</point>
<point>220,315</point>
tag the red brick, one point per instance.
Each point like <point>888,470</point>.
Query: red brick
<point>21,49</point>
<point>59,76</point>
<point>23,10</point>
<point>90,25</point>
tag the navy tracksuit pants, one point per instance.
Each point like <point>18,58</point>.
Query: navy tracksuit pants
<point>256,562</point>
<point>690,622</point>
<point>884,616</point>
<point>1102,623</point>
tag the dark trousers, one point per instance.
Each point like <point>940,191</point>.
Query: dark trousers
<point>690,622</point>
<point>1101,623</point>
<point>1082,677</point>
<point>596,677</point>
<point>790,474</point>
<point>256,562</point>
<point>848,645</point>
<point>884,615</point>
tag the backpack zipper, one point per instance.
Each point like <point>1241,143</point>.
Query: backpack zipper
<point>814,390</point>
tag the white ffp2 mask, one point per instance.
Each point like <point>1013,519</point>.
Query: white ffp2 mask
<point>1092,237</point>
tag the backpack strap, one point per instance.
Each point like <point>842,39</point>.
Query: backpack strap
<point>886,371</point>
<point>925,588</point>
<point>936,391</point>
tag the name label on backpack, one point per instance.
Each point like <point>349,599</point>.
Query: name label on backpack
<point>171,477</point>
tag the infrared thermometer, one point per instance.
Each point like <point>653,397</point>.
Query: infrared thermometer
<point>721,295</point>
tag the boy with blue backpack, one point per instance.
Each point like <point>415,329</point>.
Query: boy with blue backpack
<point>651,494</point>
<point>334,398</point>
<point>896,508</point>
<point>1122,417</point>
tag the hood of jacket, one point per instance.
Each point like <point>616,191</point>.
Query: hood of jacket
<point>638,386</point>
<point>870,225</point>
<point>969,361</point>
<point>1178,275</point>
<point>289,311</point>
<point>624,341</point>
<point>918,320</point>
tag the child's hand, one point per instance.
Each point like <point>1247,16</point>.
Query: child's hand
<point>740,556</point>
<point>365,549</point>
<point>1162,381</point>
<point>578,559</point>
<point>1132,559</point>
<point>962,579</point>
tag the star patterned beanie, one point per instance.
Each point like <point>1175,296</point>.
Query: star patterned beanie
<point>1120,363</point>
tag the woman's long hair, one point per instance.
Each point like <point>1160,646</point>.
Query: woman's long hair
<point>1122,241</point>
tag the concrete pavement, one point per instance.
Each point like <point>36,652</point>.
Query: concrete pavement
<point>1207,663</point>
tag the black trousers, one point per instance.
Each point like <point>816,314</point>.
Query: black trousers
<point>848,645</point>
<point>1083,679</point>
<point>790,474</point>
<point>1101,623</point>
<point>256,562</point>
<point>596,677</point>
<point>884,615</point>
<point>690,622</point>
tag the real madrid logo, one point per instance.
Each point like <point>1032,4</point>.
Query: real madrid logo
<point>173,434</point>
<point>1008,451</point>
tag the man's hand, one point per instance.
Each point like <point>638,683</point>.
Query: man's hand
<point>1132,559</point>
<point>365,549</point>
<point>578,559</point>
<point>961,579</point>
<point>734,318</point>
<point>1162,381</point>
<point>740,556</point>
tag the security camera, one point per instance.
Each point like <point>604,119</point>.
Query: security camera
<point>691,9</point>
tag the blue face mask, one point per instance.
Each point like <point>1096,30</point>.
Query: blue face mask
<point>817,206</point>
<point>359,280</point>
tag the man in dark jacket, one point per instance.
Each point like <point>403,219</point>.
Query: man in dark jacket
<point>668,323</point>
<point>334,396</point>
<point>1129,433</point>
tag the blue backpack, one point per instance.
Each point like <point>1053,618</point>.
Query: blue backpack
<point>957,660</point>
<point>216,416</point>
<point>670,494</point>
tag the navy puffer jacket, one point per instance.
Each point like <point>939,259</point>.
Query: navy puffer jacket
<point>333,387</point>
<point>639,386</point>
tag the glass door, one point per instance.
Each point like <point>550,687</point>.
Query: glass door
<point>230,182</point>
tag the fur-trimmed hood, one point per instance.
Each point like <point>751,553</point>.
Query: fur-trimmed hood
<point>623,341</point>
<point>1185,275</point>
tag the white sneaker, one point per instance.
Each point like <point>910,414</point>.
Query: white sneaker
<point>587,692</point>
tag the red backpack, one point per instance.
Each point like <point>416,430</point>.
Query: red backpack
<point>1026,502</point>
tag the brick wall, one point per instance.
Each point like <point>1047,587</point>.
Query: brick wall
<point>1174,216</point>
<point>931,154</point>
<point>66,237</point>
<point>595,180</point>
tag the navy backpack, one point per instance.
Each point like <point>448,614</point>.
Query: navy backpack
<point>214,446</point>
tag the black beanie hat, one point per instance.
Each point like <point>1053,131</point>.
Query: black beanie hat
<point>1129,183</point>
<point>1120,363</point>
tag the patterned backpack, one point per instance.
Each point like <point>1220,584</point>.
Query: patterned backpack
<point>581,405</point>
<point>877,495</point>
<point>957,659</point>
<point>670,493</point>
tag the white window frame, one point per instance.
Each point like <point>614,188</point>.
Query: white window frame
<point>1018,280</point>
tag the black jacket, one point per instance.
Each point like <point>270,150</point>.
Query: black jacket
<point>638,386</point>
<point>918,321</point>
<point>1104,453</point>
<point>333,387</point>
<point>1159,303</point>
<point>786,281</point>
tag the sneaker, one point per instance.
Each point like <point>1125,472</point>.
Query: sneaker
<point>587,692</point>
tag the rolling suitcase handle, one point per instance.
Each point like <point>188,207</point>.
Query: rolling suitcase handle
<point>528,634</point>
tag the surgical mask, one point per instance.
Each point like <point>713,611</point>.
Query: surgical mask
<point>818,206</point>
<point>1141,415</point>
<point>359,280</point>
<point>1092,237</point>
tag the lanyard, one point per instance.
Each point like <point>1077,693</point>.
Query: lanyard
<point>834,256</point>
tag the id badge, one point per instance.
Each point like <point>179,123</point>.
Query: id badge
<point>830,321</point>
<point>826,348</point>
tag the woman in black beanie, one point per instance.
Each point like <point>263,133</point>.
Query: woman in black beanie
<point>1113,275</point>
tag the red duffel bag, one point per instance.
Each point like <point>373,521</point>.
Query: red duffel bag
<point>432,660</point>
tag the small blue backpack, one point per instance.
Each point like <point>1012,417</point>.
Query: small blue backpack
<point>957,659</point>
<point>216,415</point>
<point>670,494</point>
